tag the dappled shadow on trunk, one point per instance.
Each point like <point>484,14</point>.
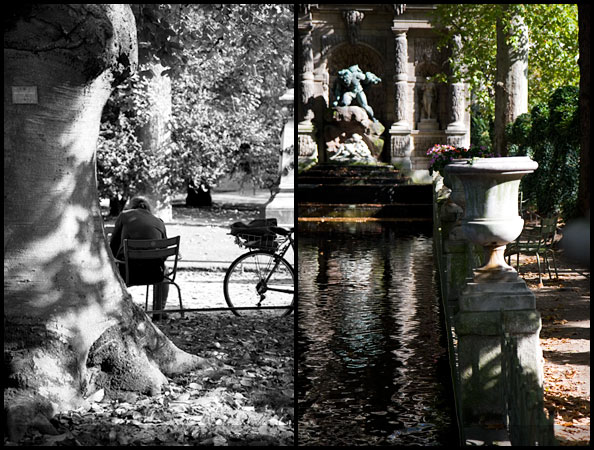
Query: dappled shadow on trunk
<point>61,290</point>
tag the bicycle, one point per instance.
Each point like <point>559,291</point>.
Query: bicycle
<point>261,279</point>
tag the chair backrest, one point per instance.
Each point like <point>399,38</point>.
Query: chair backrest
<point>151,249</point>
<point>548,228</point>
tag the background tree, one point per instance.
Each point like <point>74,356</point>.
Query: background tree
<point>69,324</point>
<point>511,83</point>
<point>227,117</point>
<point>135,139</point>
<point>552,53</point>
<point>230,66</point>
<point>548,136</point>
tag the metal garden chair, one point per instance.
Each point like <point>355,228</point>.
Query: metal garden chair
<point>142,258</point>
<point>537,241</point>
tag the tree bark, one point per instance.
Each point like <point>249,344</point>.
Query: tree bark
<point>583,202</point>
<point>511,80</point>
<point>70,325</point>
<point>155,138</point>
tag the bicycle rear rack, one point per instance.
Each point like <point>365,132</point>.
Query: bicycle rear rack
<point>268,242</point>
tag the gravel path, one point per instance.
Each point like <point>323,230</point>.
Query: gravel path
<point>564,305</point>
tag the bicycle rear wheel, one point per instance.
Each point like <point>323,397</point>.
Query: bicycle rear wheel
<point>262,281</point>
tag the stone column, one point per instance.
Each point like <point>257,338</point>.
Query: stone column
<point>457,133</point>
<point>400,132</point>
<point>308,150</point>
<point>306,73</point>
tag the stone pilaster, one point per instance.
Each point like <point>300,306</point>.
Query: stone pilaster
<point>400,132</point>
<point>306,82</point>
<point>457,133</point>
<point>306,140</point>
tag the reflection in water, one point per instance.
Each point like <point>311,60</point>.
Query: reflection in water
<point>372,358</point>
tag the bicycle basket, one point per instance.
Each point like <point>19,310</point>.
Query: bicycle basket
<point>256,234</point>
<point>252,241</point>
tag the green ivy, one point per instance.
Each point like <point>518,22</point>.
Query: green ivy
<point>481,128</point>
<point>548,135</point>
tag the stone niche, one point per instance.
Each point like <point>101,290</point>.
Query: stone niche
<point>369,60</point>
<point>396,42</point>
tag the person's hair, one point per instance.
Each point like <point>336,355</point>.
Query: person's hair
<point>140,203</point>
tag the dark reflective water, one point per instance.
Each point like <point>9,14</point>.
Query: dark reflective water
<point>373,364</point>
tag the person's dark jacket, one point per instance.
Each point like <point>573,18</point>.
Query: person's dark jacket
<point>138,224</point>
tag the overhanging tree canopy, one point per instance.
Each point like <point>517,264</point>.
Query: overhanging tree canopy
<point>229,64</point>
<point>553,49</point>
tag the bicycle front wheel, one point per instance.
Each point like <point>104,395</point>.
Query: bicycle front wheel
<point>261,281</point>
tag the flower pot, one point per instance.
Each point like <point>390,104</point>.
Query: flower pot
<point>491,216</point>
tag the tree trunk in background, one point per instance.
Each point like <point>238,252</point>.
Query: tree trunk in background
<point>198,196</point>
<point>511,83</point>
<point>116,205</point>
<point>583,201</point>
<point>70,325</point>
<point>156,137</point>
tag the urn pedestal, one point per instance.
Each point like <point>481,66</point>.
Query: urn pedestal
<point>495,299</point>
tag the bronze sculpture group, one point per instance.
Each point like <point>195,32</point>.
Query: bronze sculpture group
<point>350,85</point>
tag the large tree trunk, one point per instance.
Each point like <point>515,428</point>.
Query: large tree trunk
<point>67,314</point>
<point>511,87</point>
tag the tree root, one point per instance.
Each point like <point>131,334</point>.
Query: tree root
<point>24,411</point>
<point>136,357</point>
<point>133,355</point>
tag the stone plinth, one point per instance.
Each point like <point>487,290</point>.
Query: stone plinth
<point>282,205</point>
<point>505,296</point>
<point>402,146</point>
<point>308,149</point>
<point>480,359</point>
<point>345,123</point>
<point>428,125</point>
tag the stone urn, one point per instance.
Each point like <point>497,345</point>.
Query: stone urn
<point>455,185</point>
<point>491,219</point>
